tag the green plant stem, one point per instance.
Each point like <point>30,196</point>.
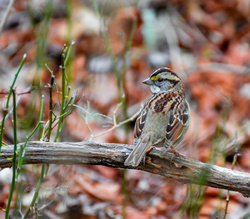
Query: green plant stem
<point>8,99</point>
<point>41,179</point>
<point>130,38</point>
<point>96,8</point>
<point>63,95</point>
<point>64,105</point>
<point>41,32</point>
<point>71,100</point>
<point>125,113</point>
<point>22,148</point>
<point>69,9</point>
<point>127,47</point>
<point>228,192</point>
<point>14,155</point>
<point>65,56</point>
<point>51,72</point>
<point>45,167</point>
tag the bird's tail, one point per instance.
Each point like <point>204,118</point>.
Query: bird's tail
<point>137,154</point>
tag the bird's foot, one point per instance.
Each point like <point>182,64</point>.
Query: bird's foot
<point>150,149</point>
<point>175,153</point>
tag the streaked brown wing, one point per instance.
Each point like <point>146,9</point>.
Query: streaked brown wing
<point>178,119</point>
<point>140,122</point>
<point>152,103</point>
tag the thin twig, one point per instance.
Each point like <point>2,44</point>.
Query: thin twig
<point>27,91</point>
<point>17,103</point>
<point>6,14</point>
<point>85,118</point>
<point>132,118</point>
<point>115,111</point>
<point>50,107</point>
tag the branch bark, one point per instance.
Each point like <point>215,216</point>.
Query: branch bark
<point>178,168</point>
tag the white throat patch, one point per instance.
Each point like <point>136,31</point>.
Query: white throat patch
<point>155,89</point>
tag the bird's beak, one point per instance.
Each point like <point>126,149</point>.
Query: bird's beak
<point>147,81</point>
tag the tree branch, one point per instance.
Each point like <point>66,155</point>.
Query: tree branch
<point>179,168</point>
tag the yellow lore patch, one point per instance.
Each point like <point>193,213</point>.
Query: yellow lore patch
<point>155,77</point>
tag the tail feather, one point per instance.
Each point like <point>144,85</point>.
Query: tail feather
<point>137,154</point>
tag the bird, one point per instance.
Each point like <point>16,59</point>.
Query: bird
<point>164,119</point>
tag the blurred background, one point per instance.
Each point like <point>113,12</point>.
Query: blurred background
<point>115,46</point>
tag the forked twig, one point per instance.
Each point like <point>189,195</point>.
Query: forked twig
<point>115,126</point>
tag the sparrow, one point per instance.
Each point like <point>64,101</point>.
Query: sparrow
<point>164,119</point>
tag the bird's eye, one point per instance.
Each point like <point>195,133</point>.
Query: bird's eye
<point>160,79</point>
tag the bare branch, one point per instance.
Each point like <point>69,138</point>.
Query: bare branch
<point>179,168</point>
